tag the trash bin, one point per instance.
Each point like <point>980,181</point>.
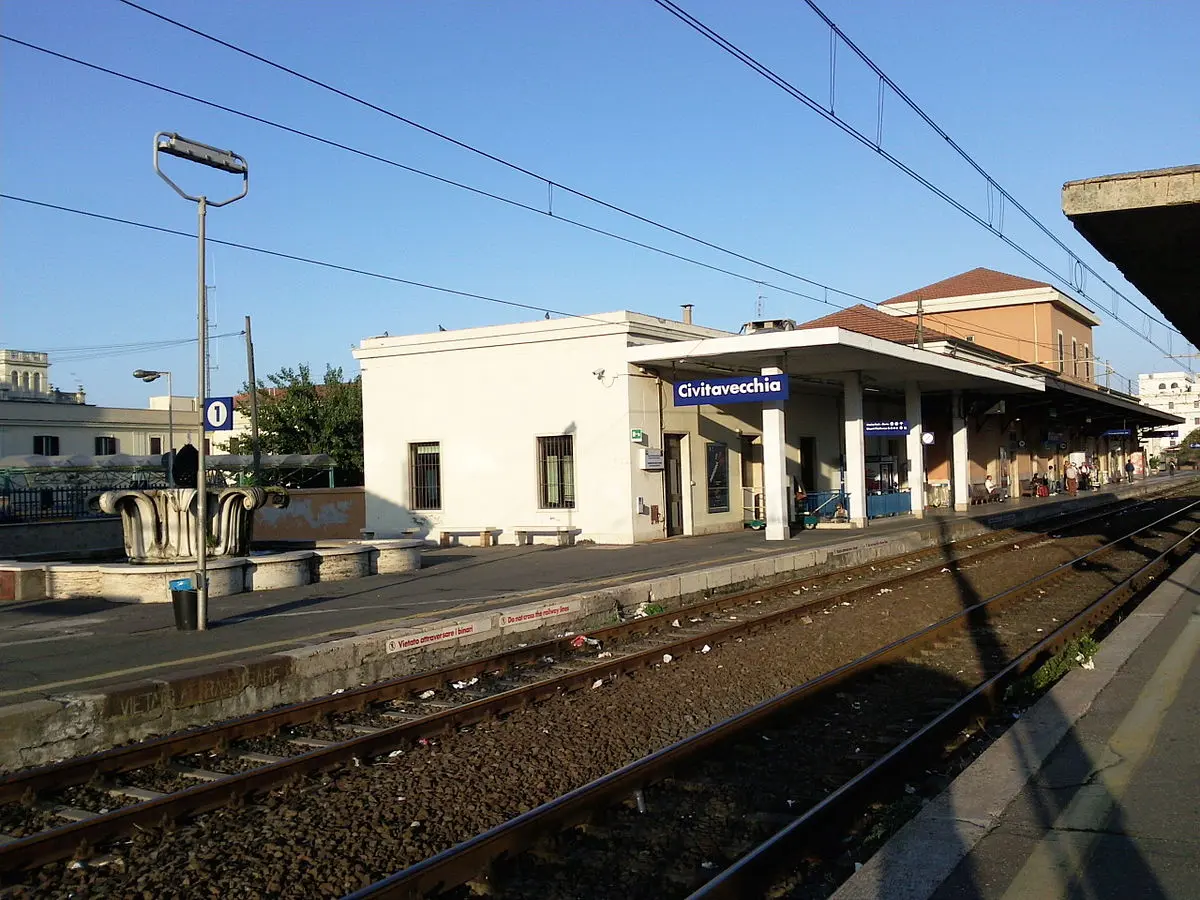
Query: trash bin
<point>186,604</point>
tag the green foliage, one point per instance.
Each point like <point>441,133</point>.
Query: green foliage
<point>1075,654</point>
<point>298,415</point>
<point>1187,456</point>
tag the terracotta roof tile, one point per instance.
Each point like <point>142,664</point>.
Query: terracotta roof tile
<point>873,323</point>
<point>977,281</point>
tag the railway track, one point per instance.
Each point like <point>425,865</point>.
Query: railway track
<point>181,775</point>
<point>915,693</point>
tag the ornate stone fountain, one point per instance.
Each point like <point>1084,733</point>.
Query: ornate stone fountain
<point>160,526</point>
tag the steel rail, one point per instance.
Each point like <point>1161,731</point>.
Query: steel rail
<point>753,872</point>
<point>462,862</point>
<point>63,841</point>
<point>15,786</point>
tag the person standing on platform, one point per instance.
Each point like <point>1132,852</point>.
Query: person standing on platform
<point>1071,473</point>
<point>1129,470</point>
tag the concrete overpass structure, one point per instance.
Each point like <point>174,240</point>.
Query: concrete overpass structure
<point>1148,225</point>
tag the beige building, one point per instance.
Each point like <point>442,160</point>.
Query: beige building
<point>1019,317</point>
<point>37,419</point>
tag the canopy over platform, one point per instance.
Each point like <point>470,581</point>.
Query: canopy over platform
<point>1147,224</point>
<point>828,353</point>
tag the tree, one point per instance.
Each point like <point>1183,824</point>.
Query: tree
<point>298,415</point>
<point>1187,456</point>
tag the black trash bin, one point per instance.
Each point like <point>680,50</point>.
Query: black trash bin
<point>186,603</point>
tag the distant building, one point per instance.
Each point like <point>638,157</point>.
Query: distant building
<point>1173,392</point>
<point>1021,318</point>
<point>38,419</point>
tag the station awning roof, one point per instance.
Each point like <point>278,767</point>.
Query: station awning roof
<point>827,353</point>
<point>1147,224</point>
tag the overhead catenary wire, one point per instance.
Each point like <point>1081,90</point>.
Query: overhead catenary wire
<point>829,115</point>
<point>974,327</point>
<point>310,261</point>
<point>946,317</point>
<point>552,184</point>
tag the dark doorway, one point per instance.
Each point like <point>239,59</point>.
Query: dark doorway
<point>673,473</point>
<point>808,462</point>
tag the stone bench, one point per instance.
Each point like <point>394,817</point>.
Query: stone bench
<point>486,534</point>
<point>564,533</point>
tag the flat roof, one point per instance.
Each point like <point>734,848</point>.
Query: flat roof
<point>1147,224</point>
<point>829,352</point>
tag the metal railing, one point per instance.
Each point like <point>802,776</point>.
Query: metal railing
<point>46,504</point>
<point>894,504</point>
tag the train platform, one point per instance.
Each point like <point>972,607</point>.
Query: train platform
<point>104,671</point>
<point>1092,794</point>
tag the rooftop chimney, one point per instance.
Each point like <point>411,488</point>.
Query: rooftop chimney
<point>687,314</point>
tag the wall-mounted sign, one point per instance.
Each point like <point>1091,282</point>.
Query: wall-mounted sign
<point>1194,446</point>
<point>1173,433</point>
<point>637,435</point>
<point>1116,432</point>
<point>927,438</point>
<point>652,459</point>
<point>748,389</point>
<point>896,428</point>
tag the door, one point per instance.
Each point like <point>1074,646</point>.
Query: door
<point>753,498</point>
<point>673,473</point>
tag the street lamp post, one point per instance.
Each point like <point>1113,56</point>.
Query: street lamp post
<point>226,161</point>
<point>149,375</point>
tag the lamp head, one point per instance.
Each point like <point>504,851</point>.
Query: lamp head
<point>146,375</point>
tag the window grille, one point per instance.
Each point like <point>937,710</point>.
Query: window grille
<point>106,446</point>
<point>45,444</point>
<point>425,475</point>
<point>556,472</point>
<point>717,476</point>
<point>156,446</point>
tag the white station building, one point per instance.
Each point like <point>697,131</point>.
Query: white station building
<point>622,427</point>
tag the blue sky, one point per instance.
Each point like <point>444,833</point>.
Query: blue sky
<point>617,99</point>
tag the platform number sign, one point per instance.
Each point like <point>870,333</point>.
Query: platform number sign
<point>218,414</point>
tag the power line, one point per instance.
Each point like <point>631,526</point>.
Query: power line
<point>375,157</point>
<point>330,265</point>
<point>278,254</point>
<point>552,185</point>
<point>972,326</point>
<point>875,145</point>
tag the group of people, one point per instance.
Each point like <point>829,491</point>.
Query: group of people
<point>1075,477</point>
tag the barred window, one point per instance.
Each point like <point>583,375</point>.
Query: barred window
<point>106,446</point>
<point>556,472</point>
<point>425,475</point>
<point>45,444</point>
<point>717,476</point>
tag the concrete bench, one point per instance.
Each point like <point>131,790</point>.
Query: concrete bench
<point>565,533</point>
<point>486,534</point>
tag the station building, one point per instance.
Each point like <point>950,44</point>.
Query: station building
<point>622,427</point>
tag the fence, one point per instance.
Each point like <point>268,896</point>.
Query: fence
<point>48,503</point>
<point>825,503</point>
<point>879,505</point>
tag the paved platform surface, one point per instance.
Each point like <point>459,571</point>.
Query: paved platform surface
<point>69,645</point>
<point>1095,794</point>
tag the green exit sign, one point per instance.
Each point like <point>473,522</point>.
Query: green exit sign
<point>637,435</point>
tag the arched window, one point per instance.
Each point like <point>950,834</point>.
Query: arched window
<point>1174,384</point>
<point>15,379</point>
<point>37,382</point>
<point>25,382</point>
<point>1161,386</point>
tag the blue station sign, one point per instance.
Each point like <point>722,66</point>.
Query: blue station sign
<point>895,428</point>
<point>1116,432</point>
<point>747,389</point>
